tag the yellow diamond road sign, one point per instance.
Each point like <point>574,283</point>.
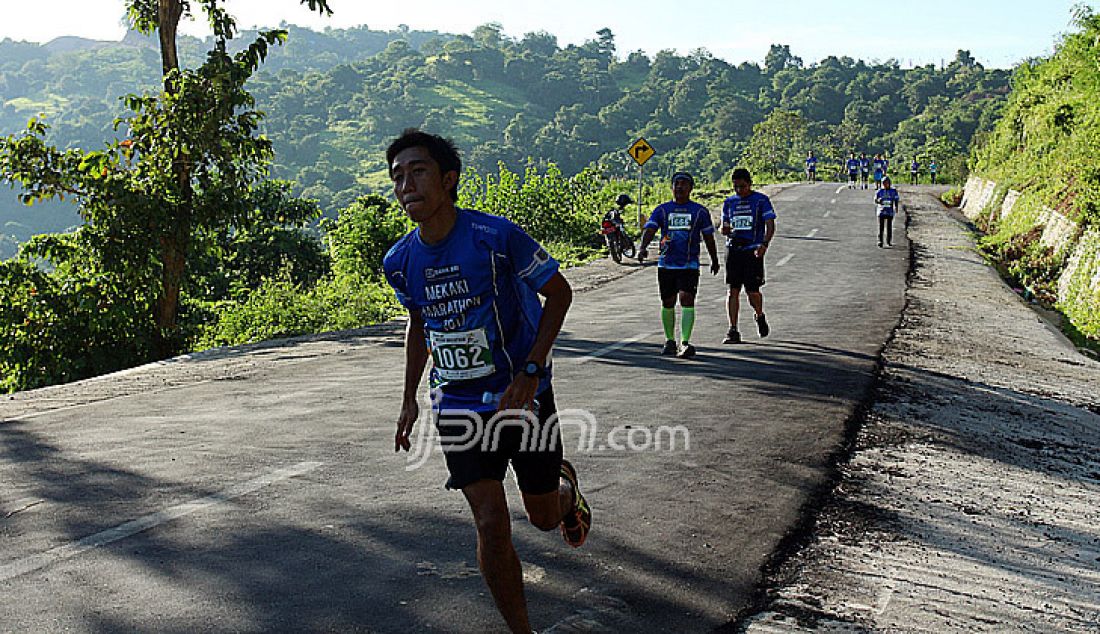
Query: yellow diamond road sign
<point>641,151</point>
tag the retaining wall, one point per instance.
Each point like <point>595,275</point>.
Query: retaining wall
<point>1079,282</point>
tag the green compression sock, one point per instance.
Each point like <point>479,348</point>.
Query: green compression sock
<point>668,320</point>
<point>687,323</point>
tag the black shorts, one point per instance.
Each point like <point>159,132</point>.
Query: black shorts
<point>851,176</point>
<point>670,282</point>
<point>534,451</point>
<point>743,268</point>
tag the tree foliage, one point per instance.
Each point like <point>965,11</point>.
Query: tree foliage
<point>186,168</point>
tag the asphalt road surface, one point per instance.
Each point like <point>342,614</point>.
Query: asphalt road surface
<point>272,500</point>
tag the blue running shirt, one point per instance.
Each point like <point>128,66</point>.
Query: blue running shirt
<point>476,291</point>
<point>811,163</point>
<point>682,228</point>
<point>884,199</point>
<point>853,165</point>
<point>746,217</point>
<point>864,165</point>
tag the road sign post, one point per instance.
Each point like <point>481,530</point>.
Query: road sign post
<point>641,151</point>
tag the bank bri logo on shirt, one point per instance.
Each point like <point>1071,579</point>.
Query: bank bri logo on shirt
<point>446,273</point>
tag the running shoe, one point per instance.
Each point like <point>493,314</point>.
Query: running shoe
<point>732,336</point>
<point>762,325</point>
<point>575,524</point>
<point>687,351</point>
<point>670,348</point>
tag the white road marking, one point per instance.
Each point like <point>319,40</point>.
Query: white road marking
<point>827,212</point>
<point>812,234</point>
<point>784,260</point>
<point>133,527</point>
<point>613,347</point>
<point>832,202</point>
<point>840,189</point>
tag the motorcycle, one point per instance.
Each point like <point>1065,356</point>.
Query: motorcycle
<point>619,244</point>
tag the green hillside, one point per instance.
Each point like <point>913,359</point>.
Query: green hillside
<point>1045,147</point>
<point>332,100</point>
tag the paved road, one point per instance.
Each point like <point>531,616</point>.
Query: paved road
<point>271,499</point>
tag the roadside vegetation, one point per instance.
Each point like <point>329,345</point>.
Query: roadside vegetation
<point>1045,147</point>
<point>195,212</point>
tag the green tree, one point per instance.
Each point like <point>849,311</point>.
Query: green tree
<point>189,160</point>
<point>197,154</point>
<point>778,143</point>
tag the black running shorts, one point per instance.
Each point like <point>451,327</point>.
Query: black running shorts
<point>671,282</point>
<point>743,268</point>
<point>534,451</point>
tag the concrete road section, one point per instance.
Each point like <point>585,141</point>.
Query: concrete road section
<point>256,489</point>
<point>972,501</point>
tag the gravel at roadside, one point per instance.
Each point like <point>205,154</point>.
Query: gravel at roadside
<point>971,500</point>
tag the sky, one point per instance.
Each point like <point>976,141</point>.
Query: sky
<point>998,33</point>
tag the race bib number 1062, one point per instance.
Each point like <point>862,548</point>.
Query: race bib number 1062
<point>460,356</point>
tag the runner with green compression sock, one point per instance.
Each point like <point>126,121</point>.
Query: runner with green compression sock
<point>683,225</point>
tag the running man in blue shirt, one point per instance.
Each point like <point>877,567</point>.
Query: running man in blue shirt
<point>880,171</point>
<point>864,169</point>
<point>811,167</point>
<point>748,222</point>
<point>887,202</point>
<point>683,224</point>
<point>470,282</point>
<point>853,170</point>
<point>914,171</point>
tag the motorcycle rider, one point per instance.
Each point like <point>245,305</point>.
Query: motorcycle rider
<point>614,218</point>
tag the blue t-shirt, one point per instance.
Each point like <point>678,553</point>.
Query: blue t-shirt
<point>884,199</point>
<point>682,229</point>
<point>864,165</point>
<point>914,167</point>
<point>853,165</point>
<point>476,291</point>
<point>880,166</point>
<point>811,163</point>
<point>747,217</point>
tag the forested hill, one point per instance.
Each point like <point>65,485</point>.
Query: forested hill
<point>333,99</point>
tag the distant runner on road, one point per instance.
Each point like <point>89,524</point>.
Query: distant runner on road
<point>683,224</point>
<point>914,171</point>
<point>887,202</point>
<point>471,282</point>
<point>853,170</point>
<point>864,169</point>
<point>933,167</point>
<point>748,222</point>
<point>880,170</point>
<point>811,167</point>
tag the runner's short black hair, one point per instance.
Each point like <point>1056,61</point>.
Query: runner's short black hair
<point>442,151</point>
<point>741,174</point>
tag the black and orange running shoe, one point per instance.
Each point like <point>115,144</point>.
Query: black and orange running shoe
<point>575,524</point>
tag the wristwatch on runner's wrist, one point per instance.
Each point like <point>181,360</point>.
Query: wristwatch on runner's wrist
<point>534,370</point>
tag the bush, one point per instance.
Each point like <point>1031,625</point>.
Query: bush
<point>281,308</point>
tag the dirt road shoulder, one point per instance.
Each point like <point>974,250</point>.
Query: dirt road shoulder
<point>972,498</point>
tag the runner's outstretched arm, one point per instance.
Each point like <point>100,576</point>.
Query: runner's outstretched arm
<point>712,249</point>
<point>647,236</point>
<point>559,296</point>
<point>769,233</point>
<point>416,358</point>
